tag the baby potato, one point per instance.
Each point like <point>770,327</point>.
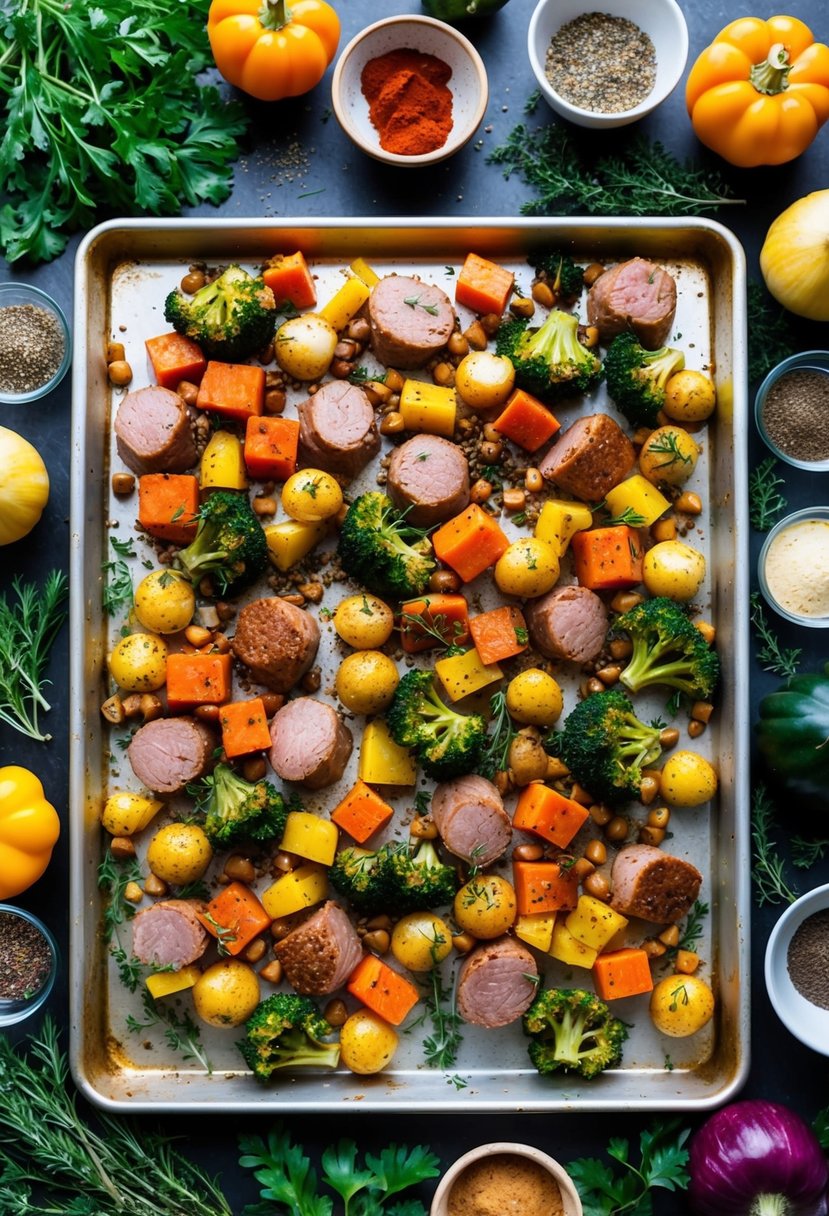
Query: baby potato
<point>484,380</point>
<point>673,569</point>
<point>534,698</point>
<point>669,455</point>
<point>124,814</point>
<point>681,1005</point>
<point>367,1043</point>
<point>138,662</point>
<point>528,568</point>
<point>311,495</point>
<point>687,779</point>
<point>690,397</point>
<point>420,941</point>
<point>304,346</point>
<point>485,906</point>
<point>165,601</point>
<point>364,621</point>
<point>366,681</point>
<point>227,993</point>
<point>179,853</point>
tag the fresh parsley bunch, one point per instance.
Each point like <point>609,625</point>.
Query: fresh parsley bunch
<point>663,1160</point>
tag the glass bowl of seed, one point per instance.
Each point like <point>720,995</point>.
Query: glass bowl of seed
<point>28,964</point>
<point>797,969</point>
<point>35,343</point>
<point>791,410</point>
<point>610,65</point>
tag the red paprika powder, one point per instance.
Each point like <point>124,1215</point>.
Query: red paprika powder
<point>409,103</point>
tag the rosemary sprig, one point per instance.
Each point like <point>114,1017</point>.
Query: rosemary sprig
<point>770,886</point>
<point>28,629</point>
<point>117,593</point>
<point>630,517</point>
<point>690,935</point>
<point>440,1048</point>
<point>435,626</point>
<point>766,503</point>
<point>495,757</point>
<point>771,656</point>
<point>807,853</point>
<point>181,1033</point>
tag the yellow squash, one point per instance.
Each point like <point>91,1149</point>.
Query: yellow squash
<point>29,829</point>
<point>24,486</point>
<point>795,257</point>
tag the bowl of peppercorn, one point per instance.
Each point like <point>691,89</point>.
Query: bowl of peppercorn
<point>611,67</point>
<point>791,410</point>
<point>35,343</point>
<point>797,969</point>
<point>28,964</point>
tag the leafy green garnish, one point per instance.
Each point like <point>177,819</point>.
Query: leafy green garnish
<point>807,853</point>
<point>28,629</point>
<point>117,593</point>
<point>771,337</point>
<point>779,660</point>
<point>820,1126</point>
<point>765,502</point>
<point>495,756</point>
<point>768,866</point>
<point>663,1163</point>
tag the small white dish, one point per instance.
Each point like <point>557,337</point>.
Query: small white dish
<point>661,20</point>
<point>507,1148</point>
<point>805,1021</point>
<point>820,515</point>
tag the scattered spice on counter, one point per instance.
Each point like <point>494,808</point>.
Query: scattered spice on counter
<point>808,959</point>
<point>409,102</point>
<point>25,958</point>
<point>797,568</point>
<point>796,414</point>
<point>505,1184</point>
<point>31,347</point>
<point>601,63</point>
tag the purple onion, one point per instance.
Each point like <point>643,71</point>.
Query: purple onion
<point>757,1158</point>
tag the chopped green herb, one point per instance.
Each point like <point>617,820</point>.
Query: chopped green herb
<point>766,503</point>
<point>768,869</point>
<point>771,656</point>
<point>414,302</point>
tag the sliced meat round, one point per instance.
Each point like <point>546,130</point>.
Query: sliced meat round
<point>319,956</point>
<point>635,295</point>
<point>653,885</point>
<point>169,934</point>
<point>169,753</point>
<point>309,743</point>
<point>276,641</point>
<point>493,986</point>
<point>152,432</point>
<point>567,623</point>
<point>469,814</point>
<point>336,430</point>
<point>591,457</point>
<point>410,321</point>
<point>429,479</point>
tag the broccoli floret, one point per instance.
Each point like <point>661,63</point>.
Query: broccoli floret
<point>229,545</point>
<point>419,880</point>
<point>636,377</point>
<point>667,649</point>
<point>448,744</point>
<point>380,550</point>
<point>287,1031</point>
<point>236,809</point>
<point>572,1030</point>
<point>605,746</point>
<point>561,273</point>
<point>549,361</point>
<point>361,876</point>
<point>231,318</point>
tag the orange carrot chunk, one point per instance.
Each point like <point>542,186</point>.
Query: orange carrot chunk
<point>289,278</point>
<point>175,358</point>
<point>234,390</point>
<point>470,542</point>
<point>423,622</point>
<point>543,886</point>
<point>620,973</point>
<point>168,504</point>
<point>608,559</point>
<point>244,727</point>
<point>526,421</point>
<point>384,991</point>
<point>362,813</point>
<point>548,814</point>
<point>197,679</point>
<point>235,917</point>
<point>271,447</point>
<point>483,286</point>
<point>499,634</point>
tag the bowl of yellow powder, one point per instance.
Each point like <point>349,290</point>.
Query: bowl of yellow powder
<point>793,568</point>
<point>506,1179</point>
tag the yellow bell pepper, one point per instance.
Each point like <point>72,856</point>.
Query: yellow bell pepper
<point>300,888</point>
<point>428,407</point>
<point>593,923</point>
<point>463,674</point>
<point>363,271</point>
<point>310,836</point>
<point>223,463</point>
<point>382,761</point>
<point>290,541</point>
<point>568,949</point>
<point>29,829</point>
<point>345,303</point>
<point>536,929</point>
<point>638,496</point>
<point>165,983</point>
<point>559,522</point>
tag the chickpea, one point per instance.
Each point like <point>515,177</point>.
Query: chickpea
<point>596,884</point>
<point>617,829</point>
<point>119,373</point>
<point>193,281</point>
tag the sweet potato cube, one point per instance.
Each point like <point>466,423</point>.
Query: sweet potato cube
<point>499,634</point>
<point>244,727</point>
<point>608,559</point>
<point>483,286</point>
<point>383,990</point>
<point>621,973</point>
<point>543,886</point>
<point>197,679</point>
<point>175,358</point>
<point>548,814</point>
<point>470,542</point>
<point>271,447</point>
<point>168,505</point>
<point>526,421</point>
<point>362,813</point>
<point>234,390</point>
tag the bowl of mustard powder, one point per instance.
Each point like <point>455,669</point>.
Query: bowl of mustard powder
<point>506,1179</point>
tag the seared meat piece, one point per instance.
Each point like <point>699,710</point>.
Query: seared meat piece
<point>276,641</point>
<point>336,430</point>
<point>152,432</point>
<point>410,321</point>
<point>651,884</point>
<point>635,295</point>
<point>429,479</point>
<point>495,986</point>
<point>591,457</point>
<point>567,623</point>
<point>320,955</point>
<point>309,743</point>
<point>169,753</point>
<point>469,814</point>
<point>169,934</point>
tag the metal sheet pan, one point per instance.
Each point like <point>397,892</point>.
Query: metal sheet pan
<point>123,271</point>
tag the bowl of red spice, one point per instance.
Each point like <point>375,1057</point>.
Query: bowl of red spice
<point>28,964</point>
<point>797,969</point>
<point>505,1177</point>
<point>410,90</point>
<point>35,344</point>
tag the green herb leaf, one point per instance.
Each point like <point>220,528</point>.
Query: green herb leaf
<point>807,853</point>
<point>399,1167</point>
<point>414,302</point>
<point>496,750</point>
<point>284,1173</point>
<point>28,629</point>
<point>771,656</point>
<point>771,333</point>
<point>662,1164</point>
<point>341,1172</point>
<point>768,867</point>
<point>766,503</point>
<point>820,1126</point>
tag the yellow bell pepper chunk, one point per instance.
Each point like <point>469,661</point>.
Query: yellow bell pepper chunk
<point>536,929</point>
<point>29,829</point>
<point>310,836</point>
<point>428,407</point>
<point>640,498</point>
<point>559,522</point>
<point>364,272</point>
<point>223,463</point>
<point>290,541</point>
<point>300,888</point>
<point>165,983</point>
<point>568,949</point>
<point>382,761</point>
<point>345,303</point>
<point>463,674</point>
<point>593,923</point>
<point>125,814</point>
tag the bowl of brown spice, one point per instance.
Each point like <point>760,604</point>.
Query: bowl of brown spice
<point>792,410</point>
<point>28,964</point>
<point>410,90</point>
<point>797,969</point>
<point>506,1179</point>
<point>35,344</point>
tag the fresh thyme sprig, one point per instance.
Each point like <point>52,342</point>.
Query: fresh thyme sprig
<point>435,626</point>
<point>768,869</point>
<point>765,502</point>
<point>28,629</point>
<point>495,757</point>
<point>181,1033</point>
<point>779,660</point>
<point>807,853</point>
<point>629,517</point>
<point>690,935</point>
<point>440,1048</point>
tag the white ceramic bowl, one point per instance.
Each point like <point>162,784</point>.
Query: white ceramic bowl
<point>569,1195</point>
<point>805,1021</point>
<point>661,20</point>
<point>468,83</point>
<point>797,517</point>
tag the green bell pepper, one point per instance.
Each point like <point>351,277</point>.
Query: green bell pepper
<point>793,737</point>
<point>459,10</point>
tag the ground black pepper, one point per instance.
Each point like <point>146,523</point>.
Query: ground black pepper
<point>601,63</point>
<point>32,345</point>
<point>25,958</point>
<point>808,959</point>
<point>796,414</point>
